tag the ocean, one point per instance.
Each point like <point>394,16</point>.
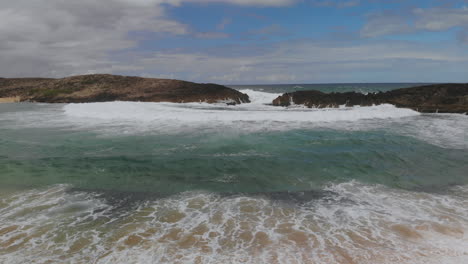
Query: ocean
<point>131,182</point>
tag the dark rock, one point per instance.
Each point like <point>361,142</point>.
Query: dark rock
<point>105,87</point>
<point>441,98</point>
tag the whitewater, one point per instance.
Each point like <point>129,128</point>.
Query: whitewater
<point>133,182</point>
<point>258,111</point>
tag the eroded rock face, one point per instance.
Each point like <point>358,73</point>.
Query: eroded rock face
<point>442,98</point>
<point>105,87</point>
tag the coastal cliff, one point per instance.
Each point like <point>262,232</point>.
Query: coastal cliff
<point>106,87</point>
<point>441,98</point>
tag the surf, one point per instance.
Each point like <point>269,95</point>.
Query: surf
<point>258,111</point>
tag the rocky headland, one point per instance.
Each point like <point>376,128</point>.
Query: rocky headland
<point>106,87</point>
<point>441,98</point>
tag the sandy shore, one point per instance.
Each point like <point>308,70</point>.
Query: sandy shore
<point>9,99</point>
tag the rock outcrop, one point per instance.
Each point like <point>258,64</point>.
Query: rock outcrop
<point>441,98</point>
<point>105,87</point>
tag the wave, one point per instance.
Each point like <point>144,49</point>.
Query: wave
<point>111,118</point>
<point>350,223</point>
<point>201,113</point>
<point>444,130</point>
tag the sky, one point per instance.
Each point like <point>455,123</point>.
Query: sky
<point>238,41</point>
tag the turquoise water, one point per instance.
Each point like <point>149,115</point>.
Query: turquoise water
<point>294,160</point>
<point>127,182</point>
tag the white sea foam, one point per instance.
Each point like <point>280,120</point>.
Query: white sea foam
<point>115,118</point>
<point>353,223</point>
<point>201,114</point>
<point>444,130</point>
<point>257,115</point>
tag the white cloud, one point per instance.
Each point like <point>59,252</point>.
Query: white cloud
<point>224,23</point>
<point>463,36</point>
<point>276,78</point>
<point>437,19</point>
<point>266,32</point>
<point>308,61</point>
<point>385,24</point>
<point>247,2</point>
<point>334,3</point>
<point>211,35</point>
<point>429,19</point>
<point>274,29</point>
<point>62,37</point>
<point>59,37</point>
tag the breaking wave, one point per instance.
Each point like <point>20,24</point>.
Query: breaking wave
<point>258,115</point>
<point>347,223</point>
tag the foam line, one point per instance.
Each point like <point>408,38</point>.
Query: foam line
<point>257,111</point>
<point>353,223</point>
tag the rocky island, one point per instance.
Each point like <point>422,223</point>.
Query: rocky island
<point>106,87</point>
<point>440,98</point>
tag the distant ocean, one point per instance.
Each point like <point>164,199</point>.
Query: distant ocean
<point>129,182</point>
<point>328,87</point>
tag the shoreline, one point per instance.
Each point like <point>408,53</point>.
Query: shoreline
<point>15,99</point>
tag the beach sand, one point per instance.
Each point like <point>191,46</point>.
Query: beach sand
<point>15,99</point>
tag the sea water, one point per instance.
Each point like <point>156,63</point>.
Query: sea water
<point>130,182</point>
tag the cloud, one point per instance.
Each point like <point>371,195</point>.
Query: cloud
<point>385,24</point>
<point>57,38</point>
<point>222,25</point>
<point>247,2</point>
<point>418,19</point>
<point>437,19</point>
<point>211,35</point>
<point>266,32</point>
<point>338,4</point>
<point>313,61</point>
<point>61,37</point>
<point>274,29</point>
<point>462,36</point>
